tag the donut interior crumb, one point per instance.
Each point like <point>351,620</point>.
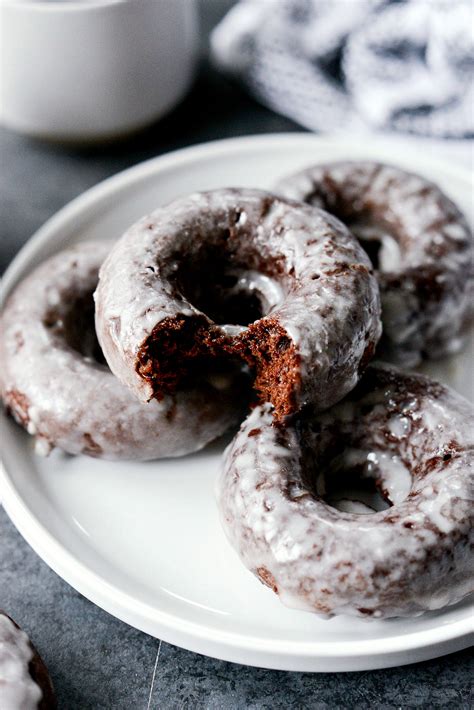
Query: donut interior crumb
<point>178,350</point>
<point>184,349</point>
<point>267,348</point>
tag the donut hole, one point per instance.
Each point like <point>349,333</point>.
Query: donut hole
<point>350,489</point>
<point>370,239</point>
<point>226,290</point>
<point>376,234</point>
<point>74,324</point>
<point>379,237</point>
<point>378,241</point>
<point>223,299</point>
<point>362,481</point>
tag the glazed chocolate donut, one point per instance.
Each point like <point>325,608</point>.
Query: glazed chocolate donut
<point>55,382</point>
<point>408,436</point>
<point>239,273</point>
<point>24,679</point>
<point>419,242</point>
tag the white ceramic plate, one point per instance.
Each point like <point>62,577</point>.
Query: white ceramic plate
<point>143,541</point>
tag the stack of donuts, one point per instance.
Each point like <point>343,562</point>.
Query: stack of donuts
<point>276,309</point>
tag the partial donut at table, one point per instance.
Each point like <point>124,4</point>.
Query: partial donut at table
<point>24,679</point>
<point>284,504</point>
<point>239,273</point>
<point>55,382</point>
<point>419,242</point>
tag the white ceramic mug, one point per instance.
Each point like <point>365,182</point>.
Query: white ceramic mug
<point>83,70</point>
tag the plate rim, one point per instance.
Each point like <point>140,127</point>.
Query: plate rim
<point>196,636</point>
<point>360,654</point>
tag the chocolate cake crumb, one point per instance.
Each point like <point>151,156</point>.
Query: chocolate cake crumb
<point>267,348</point>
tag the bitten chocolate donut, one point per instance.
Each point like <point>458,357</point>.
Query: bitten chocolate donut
<point>419,243</point>
<point>414,440</point>
<point>55,382</point>
<point>239,272</point>
<point>24,679</point>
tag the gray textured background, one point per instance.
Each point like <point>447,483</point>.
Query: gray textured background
<point>95,660</point>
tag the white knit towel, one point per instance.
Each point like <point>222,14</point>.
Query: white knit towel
<point>339,64</point>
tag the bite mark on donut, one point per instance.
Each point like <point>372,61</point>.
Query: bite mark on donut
<point>268,349</point>
<point>182,349</point>
<point>177,348</point>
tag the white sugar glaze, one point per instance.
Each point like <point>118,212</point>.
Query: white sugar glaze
<point>416,555</point>
<point>18,690</point>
